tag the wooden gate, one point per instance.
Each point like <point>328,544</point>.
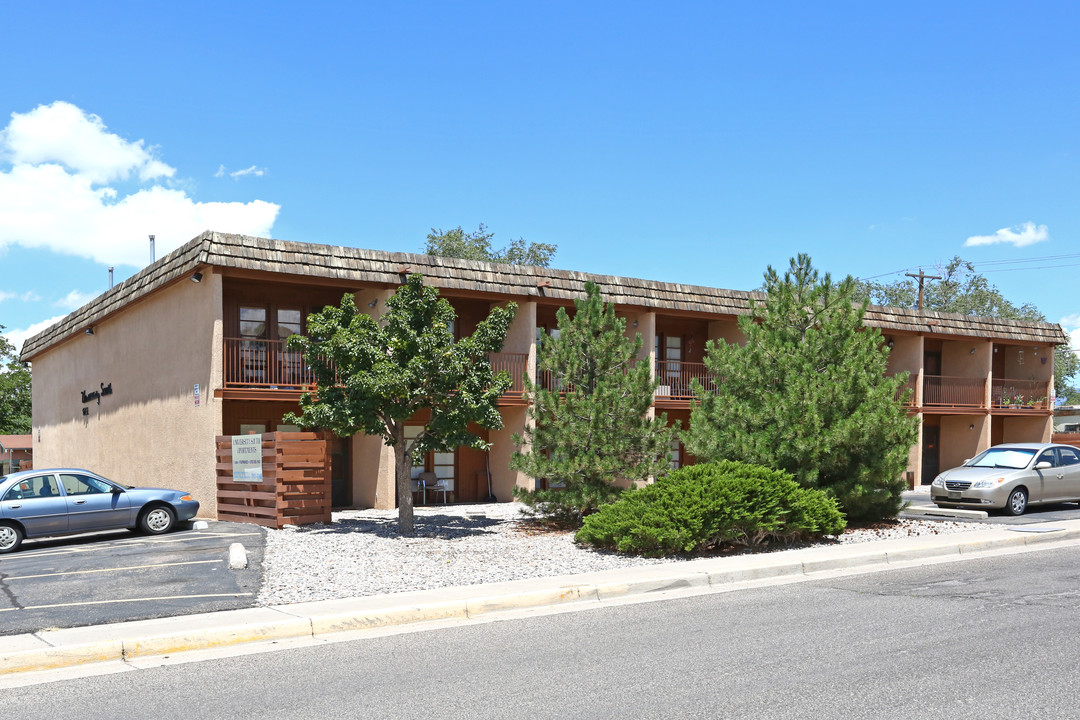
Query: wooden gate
<point>295,487</point>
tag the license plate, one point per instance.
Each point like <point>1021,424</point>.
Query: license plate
<point>954,494</point>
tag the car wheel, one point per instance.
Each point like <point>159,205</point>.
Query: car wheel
<point>11,537</point>
<point>157,520</point>
<point>1017,502</point>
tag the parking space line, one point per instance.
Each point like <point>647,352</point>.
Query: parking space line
<point>48,552</point>
<point>125,600</point>
<point>101,570</point>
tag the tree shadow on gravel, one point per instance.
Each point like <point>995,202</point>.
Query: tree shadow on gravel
<point>446,527</point>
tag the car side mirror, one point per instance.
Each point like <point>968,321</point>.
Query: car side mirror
<point>116,490</point>
<point>1043,465</point>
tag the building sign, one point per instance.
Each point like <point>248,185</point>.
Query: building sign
<point>196,394</point>
<point>247,458</point>
<point>88,397</point>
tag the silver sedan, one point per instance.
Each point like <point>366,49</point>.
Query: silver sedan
<point>1011,477</point>
<point>64,501</point>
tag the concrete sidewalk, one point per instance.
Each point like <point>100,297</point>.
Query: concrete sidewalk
<point>52,649</point>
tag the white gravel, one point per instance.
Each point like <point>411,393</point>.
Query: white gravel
<point>360,553</point>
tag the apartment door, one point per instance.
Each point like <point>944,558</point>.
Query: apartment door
<point>931,437</point>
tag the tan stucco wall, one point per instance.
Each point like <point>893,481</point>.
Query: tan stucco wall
<point>373,473</point>
<point>957,360</point>
<point>1031,367</point>
<point>148,431</point>
<point>1027,429</point>
<point>503,479</point>
<point>959,441</point>
<point>728,330</point>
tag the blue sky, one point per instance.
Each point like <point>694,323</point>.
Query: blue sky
<point>689,142</point>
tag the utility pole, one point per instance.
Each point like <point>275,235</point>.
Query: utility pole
<point>921,277</point>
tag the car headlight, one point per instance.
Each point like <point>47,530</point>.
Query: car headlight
<point>983,484</point>
<point>938,482</point>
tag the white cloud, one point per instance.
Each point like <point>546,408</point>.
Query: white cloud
<point>18,337</point>
<point>1020,236</point>
<point>28,296</point>
<point>1071,325</point>
<point>66,134</point>
<point>53,195</point>
<point>236,174</point>
<point>74,300</point>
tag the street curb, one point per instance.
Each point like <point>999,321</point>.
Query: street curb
<point>53,649</point>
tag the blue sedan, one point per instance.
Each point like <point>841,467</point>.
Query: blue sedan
<point>64,501</point>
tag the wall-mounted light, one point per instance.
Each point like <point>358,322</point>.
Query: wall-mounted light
<point>971,427</point>
<point>635,323</point>
<point>373,303</point>
<point>196,277</point>
<point>89,331</point>
<point>972,352</point>
<point>890,344</point>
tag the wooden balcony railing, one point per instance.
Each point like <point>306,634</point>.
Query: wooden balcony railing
<point>1020,394</point>
<point>953,392</point>
<point>673,378</point>
<point>516,364</point>
<point>265,364</point>
<point>912,397</point>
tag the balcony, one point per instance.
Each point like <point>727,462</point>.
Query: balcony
<point>1021,396</point>
<point>943,391</point>
<point>516,365</point>
<point>674,382</point>
<point>912,399</point>
<point>265,365</point>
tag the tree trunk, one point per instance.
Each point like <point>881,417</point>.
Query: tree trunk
<point>403,473</point>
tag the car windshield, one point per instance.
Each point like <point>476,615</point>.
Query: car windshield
<point>1014,458</point>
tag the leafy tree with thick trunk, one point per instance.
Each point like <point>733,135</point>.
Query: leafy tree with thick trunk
<point>807,393</point>
<point>15,402</point>
<point>457,243</point>
<point>374,375</point>
<point>589,422</point>
<point>962,290</point>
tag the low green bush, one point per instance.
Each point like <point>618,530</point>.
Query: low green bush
<point>700,507</point>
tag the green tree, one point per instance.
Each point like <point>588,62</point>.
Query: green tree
<point>373,375</point>
<point>15,403</point>
<point>964,291</point>
<point>808,394</point>
<point>457,243</point>
<point>589,423</point>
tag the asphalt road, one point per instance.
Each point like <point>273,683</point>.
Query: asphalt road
<point>117,576</point>
<point>985,638</point>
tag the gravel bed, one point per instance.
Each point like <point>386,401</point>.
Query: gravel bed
<point>360,553</point>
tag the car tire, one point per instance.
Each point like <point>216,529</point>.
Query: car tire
<point>11,537</point>
<point>157,520</point>
<point>1017,502</point>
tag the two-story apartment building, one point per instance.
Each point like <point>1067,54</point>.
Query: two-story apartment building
<point>139,382</point>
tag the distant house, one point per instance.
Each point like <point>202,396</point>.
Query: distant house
<point>16,453</point>
<point>1067,419</point>
<point>138,383</point>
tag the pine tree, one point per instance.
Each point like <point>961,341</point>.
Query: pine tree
<point>807,393</point>
<point>590,424</point>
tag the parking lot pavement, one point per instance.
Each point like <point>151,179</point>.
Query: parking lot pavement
<point>920,497</point>
<point>117,576</point>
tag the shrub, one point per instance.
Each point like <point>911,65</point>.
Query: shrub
<point>703,506</point>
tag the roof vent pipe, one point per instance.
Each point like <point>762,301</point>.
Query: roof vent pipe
<point>152,257</point>
<point>110,277</point>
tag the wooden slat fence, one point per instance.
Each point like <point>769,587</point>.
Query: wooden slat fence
<point>295,489</point>
<point>1066,439</point>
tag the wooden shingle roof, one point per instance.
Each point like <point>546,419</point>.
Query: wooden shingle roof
<point>362,267</point>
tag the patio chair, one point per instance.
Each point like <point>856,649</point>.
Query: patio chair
<point>431,481</point>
